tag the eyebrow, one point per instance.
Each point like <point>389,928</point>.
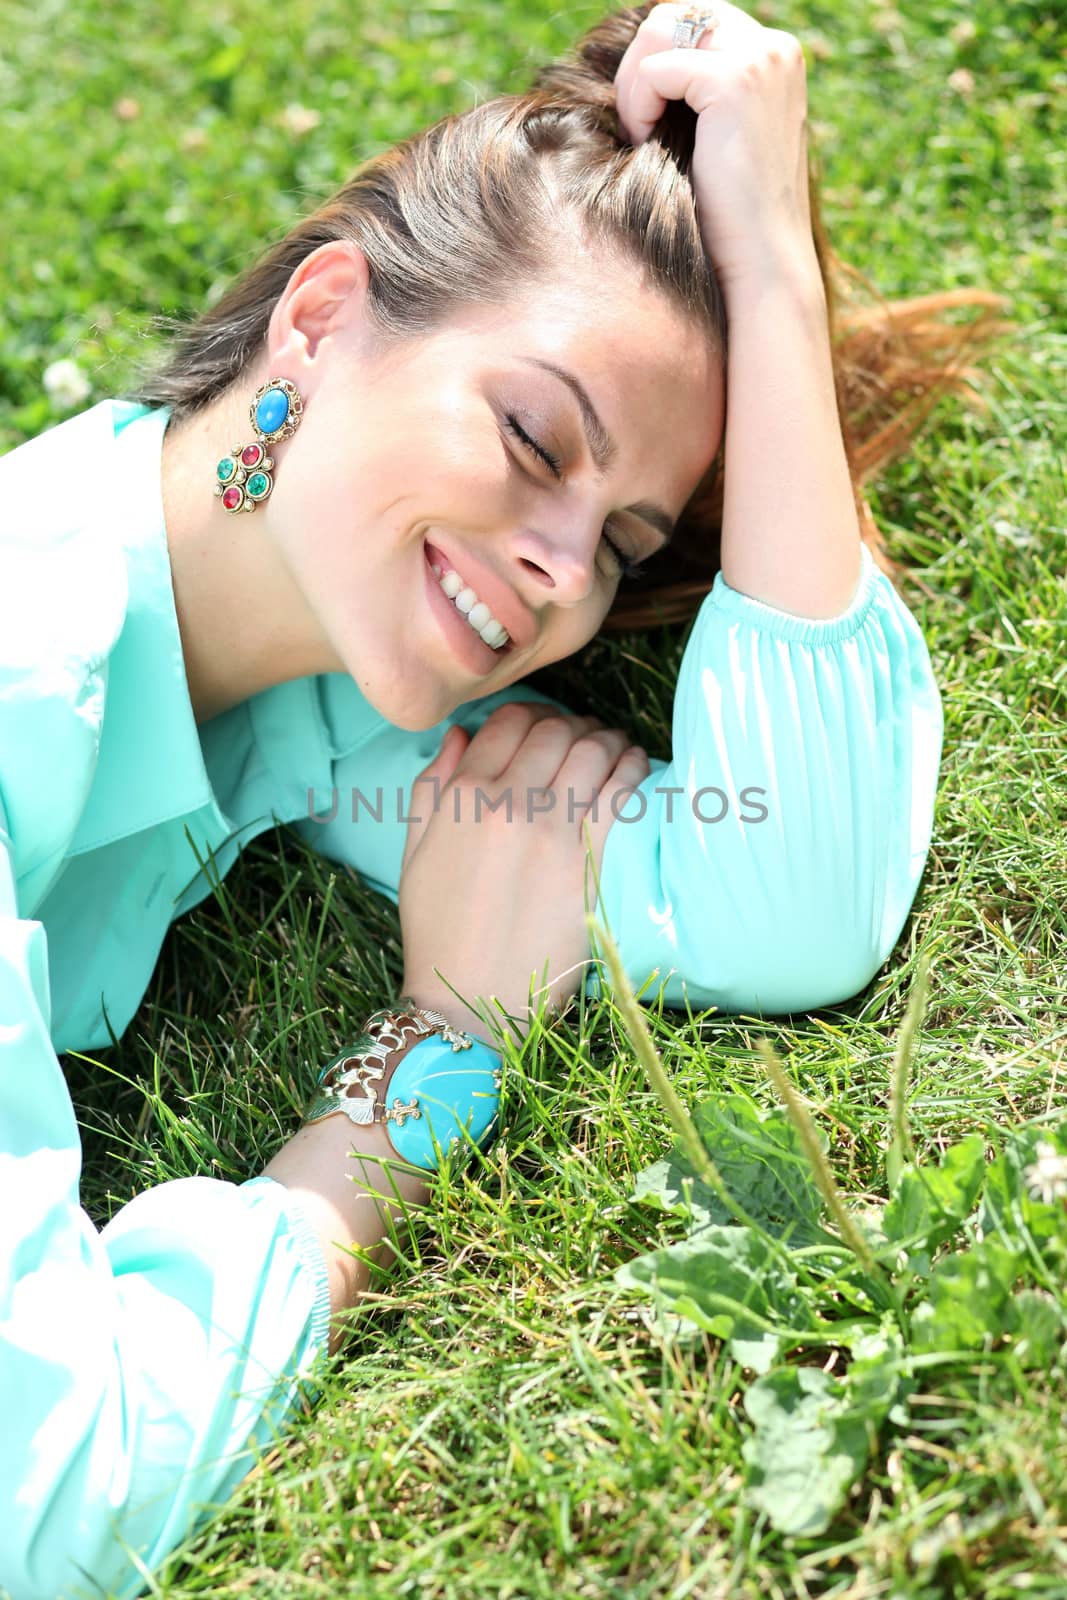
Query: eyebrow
<point>602,446</point>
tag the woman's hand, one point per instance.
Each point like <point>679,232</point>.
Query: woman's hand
<point>748,86</point>
<point>790,535</point>
<point>493,885</point>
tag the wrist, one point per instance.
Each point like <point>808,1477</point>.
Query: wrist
<point>788,271</point>
<point>436,996</point>
<point>427,1082</point>
<point>350,1187</point>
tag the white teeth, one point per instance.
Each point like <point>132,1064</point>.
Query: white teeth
<point>467,604</point>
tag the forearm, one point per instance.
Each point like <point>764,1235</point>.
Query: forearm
<point>790,532</point>
<point>346,1179</point>
<point>351,1185</point>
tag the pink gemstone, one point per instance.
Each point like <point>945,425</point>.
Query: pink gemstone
<point>232,499</point>
<point>252,455</point>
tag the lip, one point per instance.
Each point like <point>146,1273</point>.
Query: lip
<point>497,596</point>
<point>473,652</point>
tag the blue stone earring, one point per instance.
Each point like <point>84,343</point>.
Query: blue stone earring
<point>244,476</point>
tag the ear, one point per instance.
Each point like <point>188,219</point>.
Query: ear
<point>323,297</point>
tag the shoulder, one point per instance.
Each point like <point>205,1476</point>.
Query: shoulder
<point>64,595</point>
<point>62,608</point>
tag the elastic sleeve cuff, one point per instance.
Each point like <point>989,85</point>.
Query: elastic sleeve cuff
<point>311,1256</point>
<point>807,630</point>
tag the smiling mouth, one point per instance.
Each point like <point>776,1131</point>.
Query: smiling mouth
<point>466,602</point>
<point>466,642</point>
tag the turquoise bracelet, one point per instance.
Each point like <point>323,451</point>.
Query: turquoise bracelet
<point>419,1076</point>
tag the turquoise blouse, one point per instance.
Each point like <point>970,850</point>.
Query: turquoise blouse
<point>769,867</point>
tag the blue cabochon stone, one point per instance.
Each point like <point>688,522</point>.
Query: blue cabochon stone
<point>272,411</point>
<point>450,1086</point>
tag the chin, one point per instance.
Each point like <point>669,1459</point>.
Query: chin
<point>415,722</point>
<point>408,693</point>
<point>413,712</point>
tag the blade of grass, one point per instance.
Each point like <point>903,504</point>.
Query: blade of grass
<point>900,1147</point>
<point>799,1116</point>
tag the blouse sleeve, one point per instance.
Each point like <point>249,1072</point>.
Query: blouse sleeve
<point>138,1364</point>
<point>770,865</point>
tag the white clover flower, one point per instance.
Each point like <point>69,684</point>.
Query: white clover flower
<point>1047,1179</point>
<point>298,120</point>
<point>65,384</point>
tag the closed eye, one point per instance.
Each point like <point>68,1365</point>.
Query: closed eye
<point>538,449</point>
<point>627,568</point>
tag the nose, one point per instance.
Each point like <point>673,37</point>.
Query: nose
<point>558,562</point>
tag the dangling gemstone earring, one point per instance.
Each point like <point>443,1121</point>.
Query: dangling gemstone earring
<point>244,476</point>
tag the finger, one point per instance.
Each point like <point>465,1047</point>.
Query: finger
<point>676,75</point>
<point>423,793</point>
<point>540,758</point>
<point>613,799</point>
<point>502,734</point>
<point>573,768</point>
<point>728,22</point>
<point>590,761</point>
<point>640,104</point>
<point>629,772</point>
<point>632,765</point>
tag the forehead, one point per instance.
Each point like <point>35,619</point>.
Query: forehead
<point>652,373</point>
<point>606,313</point>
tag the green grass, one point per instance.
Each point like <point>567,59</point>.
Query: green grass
<point>508,1421</point>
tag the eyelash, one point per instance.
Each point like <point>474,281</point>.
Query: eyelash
<point>628,569</point>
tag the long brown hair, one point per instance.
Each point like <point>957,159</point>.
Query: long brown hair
<point>472,211</point>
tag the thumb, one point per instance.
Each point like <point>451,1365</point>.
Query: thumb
<point>425,793</point>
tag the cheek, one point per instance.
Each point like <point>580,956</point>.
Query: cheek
<point>464,480</point>
<point>571,630</point>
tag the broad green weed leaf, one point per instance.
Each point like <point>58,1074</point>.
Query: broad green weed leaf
<point>758,1355</point>
<point>762,1165</point>
<point>760,1159</point>
<point>929,1203</point>
<point>667,1186</point>
<point>813,1436</point>
<point>969,1299</point>
<point>878,1376</point>
<point>1038,1327</point>
<point>1026,1192</point>
<point>730,1282</point>
<point>849,1285</point>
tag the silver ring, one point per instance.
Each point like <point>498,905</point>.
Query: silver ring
<point>692,26</point>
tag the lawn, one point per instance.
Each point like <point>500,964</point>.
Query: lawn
<point>511,1418</point>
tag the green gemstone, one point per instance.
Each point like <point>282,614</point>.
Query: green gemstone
<point>226,469</point>
<point>257,485</point>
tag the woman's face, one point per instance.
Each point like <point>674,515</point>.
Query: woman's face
<point>423,458</point>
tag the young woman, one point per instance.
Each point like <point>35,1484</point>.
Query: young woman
<point>412,456</point>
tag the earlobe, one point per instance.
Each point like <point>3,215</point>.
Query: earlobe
<point>323,296</point>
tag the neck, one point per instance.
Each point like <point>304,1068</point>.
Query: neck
<point>244,625</point>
